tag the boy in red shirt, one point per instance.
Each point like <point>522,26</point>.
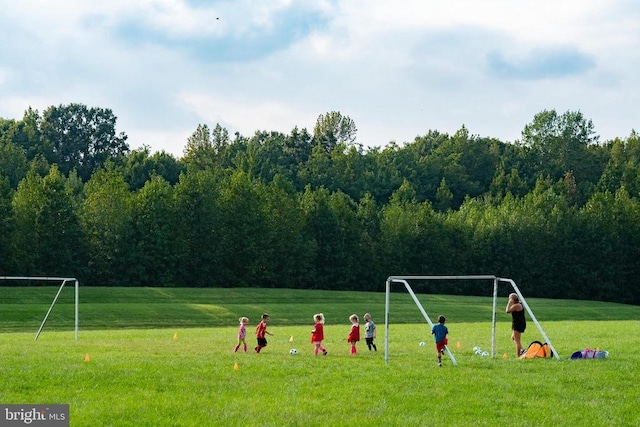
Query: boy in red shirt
<point>261,330</point>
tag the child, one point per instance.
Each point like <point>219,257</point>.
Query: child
<point>440,333</point>
<point>369,331</point>
<point>354,334</point>
<point>317,334</point>
<point>518,321</point>
<point>242,334</point>
<point>261,330</point>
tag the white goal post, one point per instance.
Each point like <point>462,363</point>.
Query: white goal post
<point>64,280</point>
<point>405,280</point>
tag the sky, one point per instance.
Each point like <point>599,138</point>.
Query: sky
<point>397,68</point>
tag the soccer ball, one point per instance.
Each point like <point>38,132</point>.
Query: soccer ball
<point>422,344</point>
<point>293,351</point>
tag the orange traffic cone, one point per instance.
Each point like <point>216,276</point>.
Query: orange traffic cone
<point>87,358</point>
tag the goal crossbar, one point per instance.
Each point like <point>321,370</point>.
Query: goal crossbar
<point>64,280</point>
<point>496,280</point>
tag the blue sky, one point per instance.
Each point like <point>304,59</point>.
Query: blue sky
<point>397,68</point>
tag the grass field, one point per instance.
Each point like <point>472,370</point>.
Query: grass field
<point>163,357</point>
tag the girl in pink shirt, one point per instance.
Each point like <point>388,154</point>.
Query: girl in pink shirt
<point>242,334</point>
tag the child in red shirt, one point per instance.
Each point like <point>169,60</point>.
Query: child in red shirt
<point>261,330</point>
<point>317,334</point>
<point>354,334</point>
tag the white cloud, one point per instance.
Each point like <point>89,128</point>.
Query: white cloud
<point>169,141</point>
<point>13,107</point>
<point>397,68</point>
<point>245,116</point>
<point>4,75</point>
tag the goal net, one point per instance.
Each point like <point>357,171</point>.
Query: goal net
<point>496,280</point>
<point>63,281</point>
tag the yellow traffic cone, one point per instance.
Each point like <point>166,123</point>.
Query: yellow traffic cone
<point>175,336</point>
<point>504,356</point>
<point>458,345</point>
<point>291,339</point>
<point>235,366</point>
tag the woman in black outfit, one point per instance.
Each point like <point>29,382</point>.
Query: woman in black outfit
<point>518,322</point>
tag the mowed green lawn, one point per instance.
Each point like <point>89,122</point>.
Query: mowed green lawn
<point>163,357</point>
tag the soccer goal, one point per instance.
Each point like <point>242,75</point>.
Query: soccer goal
<point>64,281</point>
<point>496,280</point>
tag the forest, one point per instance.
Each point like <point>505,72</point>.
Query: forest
<point>557,211</point>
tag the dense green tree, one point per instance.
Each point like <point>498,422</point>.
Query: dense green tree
<point>106,219</point>
<point>368,269</point>
<point>6,226</point>
<point>47,237</point>
<point>13,162</point>
<point>82,138</point>
<point>623,167</point>
<point>400,233</point>
<point>199,151</point>
<point>333,129</point>
<point>387,172</point>
<point>5,125</point>
<point>288,250</point>
<point>559,143</point>
<point>220,139</point>
<point>264,156</point>
<point>352,171</point>
<point>504,184</point>
<point>318,170</point>
<point>348,234</point>
<point>298,146</point>
<point>467,163</point>
<point>140,165</point>
<point>405,195</point>
<point>26,134</point>
<point>268,154</point>
<point>444,197</point>
<point>243,228</point>
<point>209,148</point>
<point>153,261</point>
<point>324,228</point>
<point>557,212</point>
<point>199,230</point>
<point>610,247</point>
<point>410,231</point>
<point>535,229</point>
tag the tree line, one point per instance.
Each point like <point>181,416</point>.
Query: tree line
<point>556,211</point>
